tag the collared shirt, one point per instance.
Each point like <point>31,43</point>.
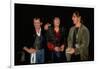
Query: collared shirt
<point>39,33</point>
<point>36,44</point>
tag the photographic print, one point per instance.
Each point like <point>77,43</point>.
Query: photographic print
<point>45,34</point>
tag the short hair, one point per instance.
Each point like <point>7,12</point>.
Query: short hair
<point>37,18</point>
<point>77,13</point>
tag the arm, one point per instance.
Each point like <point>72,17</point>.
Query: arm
<point>83,48</point>
<point>29,50</point>
<point>69,40</point>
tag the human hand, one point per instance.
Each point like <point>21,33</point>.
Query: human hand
<point>70,50</point>
<point>29,50</point>
<point>57,49</point>
<point>46,26</point>
<point>62,47</point>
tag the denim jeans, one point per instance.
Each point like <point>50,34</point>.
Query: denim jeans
<point>40,56</point>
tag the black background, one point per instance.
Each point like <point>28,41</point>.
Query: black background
<point>24,13</point>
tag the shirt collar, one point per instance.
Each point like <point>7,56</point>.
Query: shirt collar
<point>39,33</point>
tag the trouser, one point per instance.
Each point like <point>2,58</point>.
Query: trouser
<point>38,57</point>
<point>56,57</point>
<point>75,57</point>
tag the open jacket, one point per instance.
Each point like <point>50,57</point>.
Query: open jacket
<point>52,42</point>
<point>43,41</point>
<point>43,44</point>
<point>52,39</point>
<point>83,42</point>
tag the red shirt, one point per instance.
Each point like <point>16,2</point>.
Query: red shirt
<point>57,35</point>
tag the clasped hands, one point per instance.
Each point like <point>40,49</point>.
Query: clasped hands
<point>58,49</point>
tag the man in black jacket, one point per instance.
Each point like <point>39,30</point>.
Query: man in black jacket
<point>36,51</point>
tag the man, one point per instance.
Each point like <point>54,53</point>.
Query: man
<point>78,40</point>
<point>39,43</point>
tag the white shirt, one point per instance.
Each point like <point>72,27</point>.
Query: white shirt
<point>33,55</point>
<point>39,33</point>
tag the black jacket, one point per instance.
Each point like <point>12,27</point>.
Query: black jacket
<point>51,36</point>
<point>43,44</point>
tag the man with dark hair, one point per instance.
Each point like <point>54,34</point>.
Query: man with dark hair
<point>39,43</point>
<point>78,40</point>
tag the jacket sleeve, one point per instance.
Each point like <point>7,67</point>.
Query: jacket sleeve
<point>83,48</point>
<point>69,40</point>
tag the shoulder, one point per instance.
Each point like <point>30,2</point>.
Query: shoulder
<point>84,28</point>
<point>72,28</point>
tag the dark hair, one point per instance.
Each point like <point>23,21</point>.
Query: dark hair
<point>57,18</point>
<point>77,13</point>
<point>37,18</point>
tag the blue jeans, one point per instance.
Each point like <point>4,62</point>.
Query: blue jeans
<point>40,56</point>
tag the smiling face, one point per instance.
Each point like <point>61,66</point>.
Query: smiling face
<point>76,17</point>
<point>56,21</point>
<point>37,24</point>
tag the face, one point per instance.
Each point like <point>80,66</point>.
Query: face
<point>75,19</point>
<point>37,23</point>
<point>56,22</point>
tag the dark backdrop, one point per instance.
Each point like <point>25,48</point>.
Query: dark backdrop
<point>24,13</point>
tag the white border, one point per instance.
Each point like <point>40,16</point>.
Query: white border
<point>12,34</point>
<point>59,3</point>
<point>56,3</point>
